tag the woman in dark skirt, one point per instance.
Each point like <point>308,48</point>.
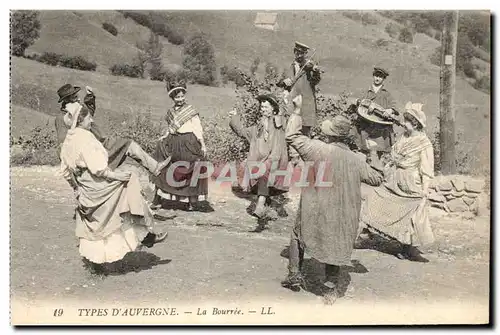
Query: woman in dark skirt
<point>183,142</point>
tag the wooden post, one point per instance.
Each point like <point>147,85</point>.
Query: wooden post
<point>447,93</point>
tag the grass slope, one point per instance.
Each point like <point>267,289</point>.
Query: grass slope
<point>34,86</point>
<point>346,50</point>
<point>68,33</point>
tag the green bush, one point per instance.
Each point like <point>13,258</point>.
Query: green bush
<point>469,70</point>
<point>483,84</point>
<point>437,35</point>
<point>233,74</point>
<point>174,75</point>
<point>406,35</point>
<point>392,29</point>
<point>429,32</point>
<point>366,18</point>
<point>110,28</point>
<point>133,71</point>
<point>55,59</point>
<point>142,128</point>
<point>139,18</point>
<point>153,23</point>
<point>199,60</point>
<point>24,30</point>
<point>39,147</point>
<point>50,58</point>
<point>78,63</point>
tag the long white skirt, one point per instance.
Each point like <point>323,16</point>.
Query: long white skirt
<point>116,245</point>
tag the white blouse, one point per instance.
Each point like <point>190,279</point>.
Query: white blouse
<point>81,149</point>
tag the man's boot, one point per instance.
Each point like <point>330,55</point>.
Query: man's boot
<point>294,281</point>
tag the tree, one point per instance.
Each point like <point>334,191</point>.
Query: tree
<point>255,66</point>
<point>199,60</point>
<point>141,61</point>
<point>25,30</point>
<point>153,53</point>
<point>406,35</point>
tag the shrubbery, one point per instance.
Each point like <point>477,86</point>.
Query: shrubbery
<point>483,84</point>
<point>174,75</point>
<point>199,60</point>
<point>469,70</point>
<point>110,28</point>
<point>224,146</point>
<point>392,30</point>
<point>406,35</point>
<point>126,70</point>
<point>142,128</point>
<point>366,18</point>
<point>24,30</point>
<point>55,59</point>
<point>40,147</point>
<point>155,26</point>
<point>233,74</point>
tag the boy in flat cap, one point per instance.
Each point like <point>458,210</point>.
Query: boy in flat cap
<point>376,139</point>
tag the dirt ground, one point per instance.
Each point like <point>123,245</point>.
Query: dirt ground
<point>216,256</point>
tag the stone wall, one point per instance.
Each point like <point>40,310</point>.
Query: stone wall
<point>458,193</point>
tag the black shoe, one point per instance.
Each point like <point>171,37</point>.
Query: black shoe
<point>151,239</point>
<point>285,253</point>
<point>293,281</point>
<point>411,253</point>
<point>160,237</point>
<point>415,255</point>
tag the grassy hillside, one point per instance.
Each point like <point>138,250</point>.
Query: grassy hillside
<point>346,49</point>
<point>24,119</point>
<point>34,86</point>
<point>80,33</point>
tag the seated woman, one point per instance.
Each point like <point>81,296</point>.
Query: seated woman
<point>399,208</point>
<point>183,142</point>
<point>112,218</point>
<point>267,145</point>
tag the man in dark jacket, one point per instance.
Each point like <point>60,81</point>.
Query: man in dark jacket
<point>305,85</point>
<point>376,139</point>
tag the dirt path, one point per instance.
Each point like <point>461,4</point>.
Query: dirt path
<point>215,257</point>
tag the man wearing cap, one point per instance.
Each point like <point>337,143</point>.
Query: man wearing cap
<point>268,146</point>
<point>307,76</point>
<point>376,139</point>
<point>328,216</point>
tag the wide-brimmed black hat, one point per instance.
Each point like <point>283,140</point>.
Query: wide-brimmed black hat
<point>66,90</point>
<point>379,70</point>
<point>271,99</point>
